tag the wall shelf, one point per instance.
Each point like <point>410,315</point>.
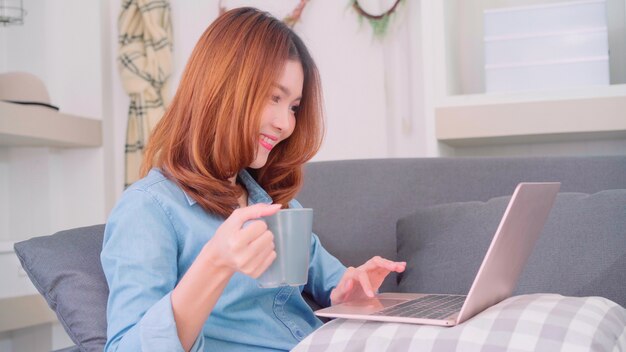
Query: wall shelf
<point>26,311</point>
<point>36,126</point>
<point>577,115</point>
<point>465,116</point>
<point>6,246</point>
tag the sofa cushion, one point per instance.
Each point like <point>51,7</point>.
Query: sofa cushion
<point>538,322</point>
<point>65,268</point>
<point>581,252</point>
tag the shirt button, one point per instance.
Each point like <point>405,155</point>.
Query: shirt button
<point>299,334</point>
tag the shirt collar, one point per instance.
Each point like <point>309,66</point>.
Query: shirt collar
<point>190,200</point>
<point>256,193</point>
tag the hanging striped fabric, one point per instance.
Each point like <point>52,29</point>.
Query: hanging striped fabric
<point>145,65</point>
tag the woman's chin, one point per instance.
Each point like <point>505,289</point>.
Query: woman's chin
<point>258,163</point>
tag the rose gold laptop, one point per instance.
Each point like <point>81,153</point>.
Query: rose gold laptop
<point>497,276</point>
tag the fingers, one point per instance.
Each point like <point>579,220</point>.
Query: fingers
<point>346,291</point>
<point>346,280</point>
<point>241,215</point>
<point>256,254</point>
<point>255,241</point>
<point>366,285</point>
<point>348,284</point>
<point>248,249</point>
<point>261,246</point>
<point>342,291</point>
<point>363,281</point>
<point>354,284</point>
<point>265,262</point>
<point>254,264</point>
<point>379,262</point>
<point>253,231</point>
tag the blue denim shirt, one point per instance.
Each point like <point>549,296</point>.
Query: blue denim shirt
<point>152,237</point>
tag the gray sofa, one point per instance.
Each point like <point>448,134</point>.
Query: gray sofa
<point>438,214</point>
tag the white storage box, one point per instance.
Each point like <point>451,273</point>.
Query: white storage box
<point>546,46</point>
<point>548,18</point>
<point>552,75</point>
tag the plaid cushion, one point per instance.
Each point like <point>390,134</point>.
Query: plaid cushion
<point>538,322</point>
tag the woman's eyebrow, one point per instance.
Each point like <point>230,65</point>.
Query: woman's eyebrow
<point>285,90</point>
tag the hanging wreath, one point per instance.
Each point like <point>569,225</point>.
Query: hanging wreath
<point>294,16</point>
<point>379,22</point>
<point>290,20</point>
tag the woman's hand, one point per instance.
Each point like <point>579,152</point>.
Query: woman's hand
<point>233,248</point>
<point>363,281</point>
<point>249,249</point>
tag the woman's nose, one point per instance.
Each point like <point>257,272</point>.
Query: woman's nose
<point>281,119</point>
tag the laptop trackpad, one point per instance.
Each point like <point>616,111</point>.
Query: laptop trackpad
<point>366,306</point>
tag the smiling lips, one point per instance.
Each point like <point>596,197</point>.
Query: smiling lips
<point>268,142</point>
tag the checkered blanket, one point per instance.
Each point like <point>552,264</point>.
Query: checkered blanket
<point>145,64</point>
<point>539,322</point>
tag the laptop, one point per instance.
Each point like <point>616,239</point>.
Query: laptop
<point>495,281</point>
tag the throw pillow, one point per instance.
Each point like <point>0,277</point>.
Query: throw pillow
<point>581,251</point>
<point>65,268</point>
<point>539,322</point>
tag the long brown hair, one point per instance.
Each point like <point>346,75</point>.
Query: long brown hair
<point>210,130</point>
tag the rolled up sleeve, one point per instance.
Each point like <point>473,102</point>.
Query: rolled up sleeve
<point>157,329</point>
<point>325,270</point>
<point>139,259</point>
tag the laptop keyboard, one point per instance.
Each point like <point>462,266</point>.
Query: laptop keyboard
<point>427,307</point>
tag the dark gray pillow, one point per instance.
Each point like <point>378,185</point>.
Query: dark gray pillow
<point>581,252</point>
<point>65,268</point>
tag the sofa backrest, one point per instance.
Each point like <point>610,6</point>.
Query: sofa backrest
<point>357,203</point>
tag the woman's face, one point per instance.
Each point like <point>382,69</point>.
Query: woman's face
<point>278,119</point>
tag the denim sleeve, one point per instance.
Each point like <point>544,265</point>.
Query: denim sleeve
<point>139,259</point>
<point>325,270</point>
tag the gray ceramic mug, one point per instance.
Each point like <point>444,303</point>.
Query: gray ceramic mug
<point>292,241</point>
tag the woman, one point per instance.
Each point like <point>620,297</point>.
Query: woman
<point>180,264</point>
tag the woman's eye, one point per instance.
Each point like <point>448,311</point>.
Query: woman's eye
<point>295,108</point>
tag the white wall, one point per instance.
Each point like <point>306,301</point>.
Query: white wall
<point>3,52</point>
<point>53,189</point>
<point>372,105</point>
<point>378,93</point>
<point>44,190</point>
